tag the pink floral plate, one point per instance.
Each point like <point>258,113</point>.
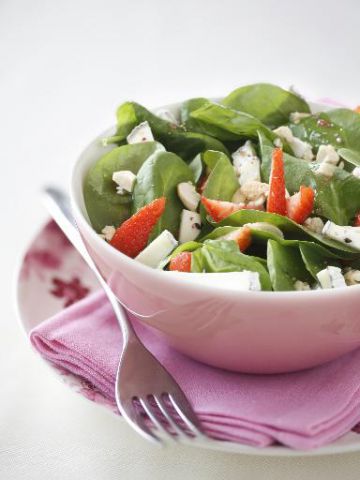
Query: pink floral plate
<point>52,276</point>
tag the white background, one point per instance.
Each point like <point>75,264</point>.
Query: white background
<point>64,67</point>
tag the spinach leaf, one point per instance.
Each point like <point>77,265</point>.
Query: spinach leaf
<point>316,257</point>
<point>211,157</point>
<point>159,177</point>
<point>337,198</point>
<point>269,103</point>
<point>285,266</point>
<point>351,156</point>
<point>232,124</point>
<point>173,137</point>
<point>349,121</point>
<point>339,127</point>
<point>196,167</point>
<point>290,229</point>
<point>103,205</point>
<point>222,182</point>
<point>224,256</point>
<point>319,129</point>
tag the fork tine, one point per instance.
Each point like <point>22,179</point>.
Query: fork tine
<point>132,416</point>
<point>186,414</point>
<point>163,408</point>
<point>146,405</point>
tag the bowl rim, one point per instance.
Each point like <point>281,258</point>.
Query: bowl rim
<point>76,193</point>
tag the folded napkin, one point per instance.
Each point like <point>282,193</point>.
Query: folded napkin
<point>302,410</point>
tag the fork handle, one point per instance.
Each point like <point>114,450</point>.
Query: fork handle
<point>58,205</point>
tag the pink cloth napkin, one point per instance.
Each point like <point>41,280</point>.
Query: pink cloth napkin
<point>302,410</point>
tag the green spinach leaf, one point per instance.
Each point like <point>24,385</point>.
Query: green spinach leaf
<point>269,103</point>
<point>173,137</point>
<point>351,156</point>
<point>196,167</point>
<point>222,182</point>
<point>224,256</point>
<point>103,205</point>
<point>232,124</point>
<point>316,257</point>
<point>159,177</point>
<point>285,266</point>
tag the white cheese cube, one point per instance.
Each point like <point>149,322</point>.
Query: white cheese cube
<point>125,180</point>
<point>188,195</point>
<point>158,249</point>
<point>235,281</point>
<point>140,134</point>
<point>331,277</point>
<point>345,234</point>
<point>190,226</point>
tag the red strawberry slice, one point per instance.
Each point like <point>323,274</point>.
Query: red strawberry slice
<point>133,235</point>
<point>242,236</point>
<point>276,201</point>
<point>218,209</point>
<point>357,220</point>
<point>181,263</point>
<point>301,204</point>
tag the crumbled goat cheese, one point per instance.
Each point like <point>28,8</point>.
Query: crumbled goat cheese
<point>125,180</point>
<point>140,134</point>
<point>252,193</point>
<point>352,277</point>
<point>108,232</point>
<point>299,285</point>
<point>300,148</point>
<point>246,163</point>
<point>328,159</point>
<point>315,224</point>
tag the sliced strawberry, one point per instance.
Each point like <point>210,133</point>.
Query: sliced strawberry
<point>301,204</point>
<point>357,109</point>
<point>242,236</point>
<point>357,220</point>
<point>181,263</point>
<point>133,235</point>
<point>218,209</point>
<point>276,201</point>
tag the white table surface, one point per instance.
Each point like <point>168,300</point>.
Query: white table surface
<point>64,67</point>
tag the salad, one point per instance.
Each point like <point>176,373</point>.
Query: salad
<point>255,186</point>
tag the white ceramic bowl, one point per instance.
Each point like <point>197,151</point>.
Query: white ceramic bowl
<point>255,332</point>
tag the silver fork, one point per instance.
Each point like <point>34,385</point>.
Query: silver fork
<point>146,394</point>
